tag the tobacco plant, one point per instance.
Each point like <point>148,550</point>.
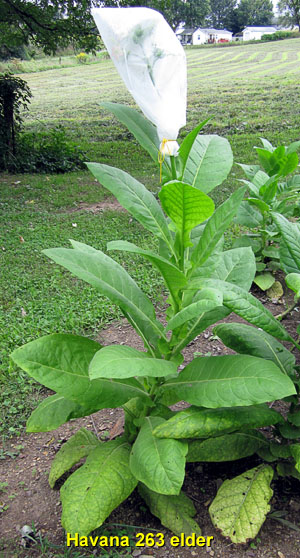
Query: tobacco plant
<point>227,394</point>
<point>272,187</point>
<point>282,449</point>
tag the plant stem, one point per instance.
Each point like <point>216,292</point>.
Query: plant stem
<point>296,344</point>
<point>173,167</point>
<point>287,311</point>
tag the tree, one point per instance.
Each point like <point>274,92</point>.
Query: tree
<point>289,12</point>
<point>252,12</point>
<point>53,24</point>
<point>196,12</point>
<point>192,12</point>
<point>14,97</point>
<point>49,24</point>
<point>221,12</point>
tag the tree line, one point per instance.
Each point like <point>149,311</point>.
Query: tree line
<point>53,24</point>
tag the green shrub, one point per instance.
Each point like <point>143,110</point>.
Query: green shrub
<point>14,97</point>
<point>47,152</point>
<point>280,35</point>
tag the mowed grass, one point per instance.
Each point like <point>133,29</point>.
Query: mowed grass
<point>250,91</point>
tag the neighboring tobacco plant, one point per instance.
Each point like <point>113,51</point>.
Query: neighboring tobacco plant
<point>227,394</point>
<point>282,448</point>
<point>270,189</point>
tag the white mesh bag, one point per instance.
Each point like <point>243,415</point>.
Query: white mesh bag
<point>152,63</point>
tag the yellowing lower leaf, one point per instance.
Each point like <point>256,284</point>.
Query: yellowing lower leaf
<point>77,447</point>
<point>175,512</point>
<point>97,488</point>
<point>241,504</point>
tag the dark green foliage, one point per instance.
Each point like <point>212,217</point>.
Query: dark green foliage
<point>289,12</point>
<point>193,13</point>
<point>49,25</point>
<point>221,13</point>
<point>280,35</point>
<point>14,97</point>
<point>252,12</point>
<point>47,152</point>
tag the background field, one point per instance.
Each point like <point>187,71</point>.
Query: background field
<point>251,91</point>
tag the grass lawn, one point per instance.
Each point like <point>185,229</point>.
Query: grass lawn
<point>252,91</point>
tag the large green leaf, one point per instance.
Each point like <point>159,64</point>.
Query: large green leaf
<point>286,469</point>
<point>244,305</point>
<point>203,423</point>
<point>249,170</point>
<point>78,446</point>
<point>173,277</point>
<point>188,142</point>
<point>289,244</point>
<point>142,129</point>
<point>227,381</point>
<point>196,234</point>
<point>61,363</point>
<point>295,451</point>
<point>209,162</point>
<point>246,240</point>
<point>289,431</point>
<point>216,226</point>
<point>201,323</point>
<point>264,281</point>
<point>186,206</point>
<point>236,266</point>
<point>294,146</point>
<point>294,417</point>
<point>119,361</point>
<point>228,447</point>
<point>97,488</point>
<point>111,279</point>
<point>293,283</point>
<point>241,505</point>
<point>211,299</point>
<point>159,464</point>
<point>263,206</point>
<point>281,161</point>
<point>174,512</point>
<point>135,198</point>
<point>52,412</point>
<point>248,216</point>
<point>248,340</point>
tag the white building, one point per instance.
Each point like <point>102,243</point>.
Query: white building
<point>201,36</point>
<point>255,33</point>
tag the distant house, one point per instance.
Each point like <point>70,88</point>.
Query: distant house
<point>201,36</point>
<point>185,35</point>
<point>256,33</point>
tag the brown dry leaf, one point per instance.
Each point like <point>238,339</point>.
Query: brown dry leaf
<point>117,429</point>
<point>21,239</point>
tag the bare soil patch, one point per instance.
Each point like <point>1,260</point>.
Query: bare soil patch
<point>30,499</point>
<point>111,205</point>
